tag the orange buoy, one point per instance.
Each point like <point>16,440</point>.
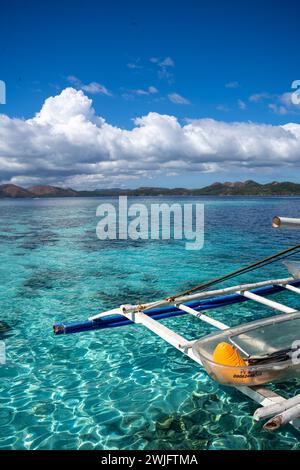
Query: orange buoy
<point>227,355</point>
<point>231,368</point>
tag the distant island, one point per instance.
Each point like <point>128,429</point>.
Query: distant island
<point>247,188</point>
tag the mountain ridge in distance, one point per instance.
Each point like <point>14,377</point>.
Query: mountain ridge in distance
<point>237,188</point>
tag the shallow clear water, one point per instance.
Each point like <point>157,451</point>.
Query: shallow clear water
<point>122,388</point>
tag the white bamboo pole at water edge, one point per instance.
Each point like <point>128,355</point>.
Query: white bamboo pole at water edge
<point>201,316</point>
<point>286,222</point>
<point>213,293</point>
<point>262,413</point>
<point>199,296</point>
<point>115,311</point>
<point>291,288</point>
<point>283,418</point>
<point>219,292</point>
<point>176,340</point>
<point>269,303</point>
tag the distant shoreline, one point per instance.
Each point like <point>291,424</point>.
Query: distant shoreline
<point>229,189</point>
<point>236,196</point>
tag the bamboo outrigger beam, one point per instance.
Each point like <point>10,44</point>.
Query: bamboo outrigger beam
<point>280,283</point>
<point>201,316</point>
<point>291,288</point>
<point>269,303</point>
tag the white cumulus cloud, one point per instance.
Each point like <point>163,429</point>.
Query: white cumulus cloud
<point>66,143</point>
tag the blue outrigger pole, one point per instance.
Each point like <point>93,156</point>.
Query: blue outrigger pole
<point>114,321</point>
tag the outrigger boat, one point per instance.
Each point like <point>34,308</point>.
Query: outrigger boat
<point>248,356</point>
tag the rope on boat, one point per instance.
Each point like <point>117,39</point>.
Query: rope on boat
<point>251,267</point>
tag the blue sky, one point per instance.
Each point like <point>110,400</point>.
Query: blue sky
<point>228,61</point>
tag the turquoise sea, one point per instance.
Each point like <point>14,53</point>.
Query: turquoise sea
<point>123,388</point>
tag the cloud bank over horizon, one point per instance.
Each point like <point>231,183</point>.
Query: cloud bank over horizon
<point>67,144</point>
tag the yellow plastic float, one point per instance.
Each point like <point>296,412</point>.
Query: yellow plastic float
<point>234,368</point>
